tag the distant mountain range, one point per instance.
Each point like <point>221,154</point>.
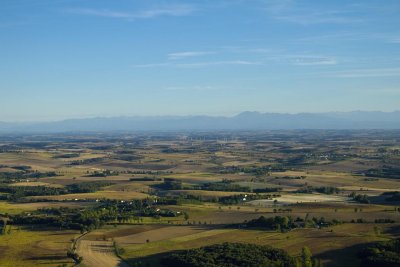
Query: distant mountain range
<point>243,121</point>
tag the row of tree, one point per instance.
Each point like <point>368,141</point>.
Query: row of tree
<point>16,193</point>
<point>95,217</point>
<point>225,186</point>
<point>286,223</point>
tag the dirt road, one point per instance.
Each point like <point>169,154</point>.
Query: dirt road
<point>98,253</point>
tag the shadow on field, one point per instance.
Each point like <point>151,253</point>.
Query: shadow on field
<point>349,256</point>
<point>381,199</point>
<point>342,257</point>
<point>153,260</point>
<point>40,228</point>
<point>333,258</point>
<point>393,230</point>
<point>47,258</point>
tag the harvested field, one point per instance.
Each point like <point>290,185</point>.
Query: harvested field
<point>159,234</point>
<point>37,184</point>
<point>120,195</point>
<point>98,253</point>
<point>204,193</point>
<point>301,198</point>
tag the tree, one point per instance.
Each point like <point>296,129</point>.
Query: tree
<point>377,230</point>
<point>306,257</point>
<point>317,263</point>
<point>3,226</point>
<point>285,222</point>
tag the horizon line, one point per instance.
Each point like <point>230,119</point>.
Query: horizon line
<point>182,116</point>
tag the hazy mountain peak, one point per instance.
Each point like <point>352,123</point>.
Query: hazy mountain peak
<point>248,120</point>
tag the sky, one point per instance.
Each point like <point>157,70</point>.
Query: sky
<point>64,59</point>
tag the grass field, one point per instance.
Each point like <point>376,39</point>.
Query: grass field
<point>23,247</point>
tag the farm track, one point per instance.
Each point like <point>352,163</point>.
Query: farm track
<point>98,253</point>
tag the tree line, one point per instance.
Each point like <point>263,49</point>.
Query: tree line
<point>16,193</point>
<point>239,254</point>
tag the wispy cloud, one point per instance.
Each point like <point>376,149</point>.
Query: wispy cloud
<point>302,60</point>
<point>295,60</point>
<point>312,60</point>
<point>194,88</point>
<point>261,50</point>
<point>300,13</point>
<point>363,36</point>
<point>317,18</point>
<point>101,13</point>
<point>248,50</point>
<point>395,40</point>
<point>219,63</point>
<point>187,54</point>
<point>365,73</point>
<point>13,24</point>
<point>199,64</point>
<point>152,65</point>
<point>171,10</point>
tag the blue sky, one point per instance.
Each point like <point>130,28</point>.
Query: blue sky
<point>84,58</point>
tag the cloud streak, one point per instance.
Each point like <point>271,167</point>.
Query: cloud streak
<point>298,13</point>
<point>199,64</point>
<point>188,54</point>
<point>366,73</point>
<point>317,18</point>
<point>353,36</point>
<point>312,61</point>
<point>395,40</point>
<point>194,88</point>
<point>295,60</point>
<point>171,11</point>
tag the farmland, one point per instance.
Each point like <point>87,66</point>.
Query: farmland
<point>131,199</point>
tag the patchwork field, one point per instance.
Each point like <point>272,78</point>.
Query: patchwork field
<point>143,245</point>
<point>132,199</point>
